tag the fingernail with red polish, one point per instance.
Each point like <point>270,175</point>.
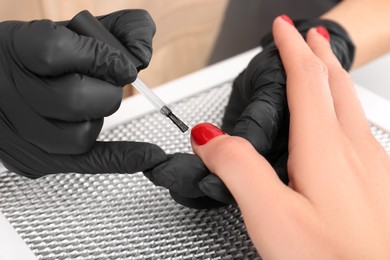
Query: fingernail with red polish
<point>324,32</point>
<point>204,132</point>
<point>287,19</point>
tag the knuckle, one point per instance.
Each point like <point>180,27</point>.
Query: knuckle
<point>85,136</point>
<point>145,15</point>
<point>228,150</point>
<point>147,20</point>
<point>51,49</point>
<point>43,42</point>
<point>314,66</point>
<point>139,15</point>
<point>75,107</point>
<point>81,103</point>
<point>230,144</point>
<point>342,75</point>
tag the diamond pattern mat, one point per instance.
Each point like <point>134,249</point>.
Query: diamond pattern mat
<point>124,216</point>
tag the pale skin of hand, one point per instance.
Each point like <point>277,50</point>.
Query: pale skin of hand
<point>337,205</point>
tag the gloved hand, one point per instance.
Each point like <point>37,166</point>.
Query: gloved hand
<point>56,87</point>
<point>257,111</point>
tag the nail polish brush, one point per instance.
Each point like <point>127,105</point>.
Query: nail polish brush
<point>86,24</point>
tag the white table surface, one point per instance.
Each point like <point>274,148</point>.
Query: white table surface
<point>377,110</point>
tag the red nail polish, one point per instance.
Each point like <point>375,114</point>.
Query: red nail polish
<point>204,132</point>
<point>287,19</point>
<point>324,32</point>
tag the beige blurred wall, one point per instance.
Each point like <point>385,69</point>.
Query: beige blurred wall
<point>186,29</point>
<point>20,9</point>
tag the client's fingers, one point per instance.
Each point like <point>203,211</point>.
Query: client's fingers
<point>234,160</point>
<point>309,98</point>
<point>347,106</point>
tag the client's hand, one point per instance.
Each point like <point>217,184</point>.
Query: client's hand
<point>337,202</point>
<point>257,111</point>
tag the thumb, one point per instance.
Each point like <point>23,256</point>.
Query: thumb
<point>262,197</point>
<point>233,159</point>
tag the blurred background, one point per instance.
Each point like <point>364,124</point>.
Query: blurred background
<point>194,34</point>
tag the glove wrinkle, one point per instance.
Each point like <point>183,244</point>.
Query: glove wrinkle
<point>196,203</point>
<point>213,186</point>
<point>137,39</point>
<point>181,174</point>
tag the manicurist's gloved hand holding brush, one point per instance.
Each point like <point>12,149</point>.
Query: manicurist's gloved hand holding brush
<point>56,88</point>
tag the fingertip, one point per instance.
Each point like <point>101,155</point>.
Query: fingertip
<point>318,41</point>
<point>287,19</point>
<point>324,32</point>
<point>318,35</point>
<point>283,19</point>
<point>290,43</point>
<point>281,24</point>
<point>120,71</point>
<point>204,132</point>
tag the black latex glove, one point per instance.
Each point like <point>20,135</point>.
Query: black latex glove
<point>257,111</point>
<point>55,88</point>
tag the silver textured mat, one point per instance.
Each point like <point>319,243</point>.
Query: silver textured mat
<point>121,216</point>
